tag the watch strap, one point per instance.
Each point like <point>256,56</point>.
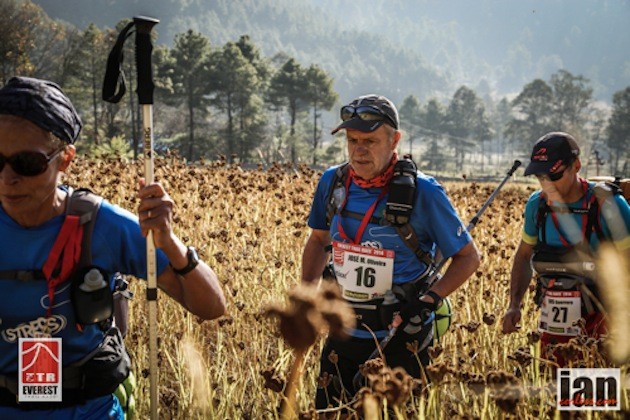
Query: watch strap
<point>193,261</point>
<point>437,299</point>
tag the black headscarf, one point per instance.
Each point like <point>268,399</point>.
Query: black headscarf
<point>44,104</point>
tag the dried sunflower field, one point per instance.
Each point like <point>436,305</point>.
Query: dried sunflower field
<point>250,226</point>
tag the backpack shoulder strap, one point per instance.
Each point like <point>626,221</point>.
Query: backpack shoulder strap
<point>602,191</point>
<point>409,237</point>
<point>339,179</point>
<point>624,187</point>
<point>84,203</point>
<point>541,217</point>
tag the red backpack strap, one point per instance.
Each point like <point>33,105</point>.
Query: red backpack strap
<point>72,248</point>
<point>64,256</point>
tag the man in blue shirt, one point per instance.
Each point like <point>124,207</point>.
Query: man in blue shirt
<point>370,258</point>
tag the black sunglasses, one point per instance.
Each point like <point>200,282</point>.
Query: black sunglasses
<point>28,163</point>
<point>366,113</point>
<point>554,176</point>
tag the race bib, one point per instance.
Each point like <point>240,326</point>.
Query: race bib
<point>560,311</point>
<point>39,370</point>
<point>363,273</point>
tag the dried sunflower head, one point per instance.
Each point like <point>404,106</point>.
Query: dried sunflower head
<point>310,311</point>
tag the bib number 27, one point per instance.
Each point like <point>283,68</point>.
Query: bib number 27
<point>366,276</point>
<point>560,314</point>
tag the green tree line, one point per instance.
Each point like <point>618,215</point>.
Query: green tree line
<point>232,100</point>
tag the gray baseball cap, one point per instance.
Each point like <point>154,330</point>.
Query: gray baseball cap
<point>367,113</point>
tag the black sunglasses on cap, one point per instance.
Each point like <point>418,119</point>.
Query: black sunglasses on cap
<point>366,113</point>
<point>28,163</point>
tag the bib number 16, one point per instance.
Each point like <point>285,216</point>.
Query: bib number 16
<point>366,276</point>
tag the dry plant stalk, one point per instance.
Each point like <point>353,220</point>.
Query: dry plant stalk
<point>614,279</point>
<point>197,371</point>
<point>371,407</point>
<point>311,311</point>
<point>249,225</point>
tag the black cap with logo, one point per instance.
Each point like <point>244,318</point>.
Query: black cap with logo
<point>552,151</point>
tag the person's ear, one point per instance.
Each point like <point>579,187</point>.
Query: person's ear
<point>66,157</point>
<point>578,165</point>
<point>397,137</point>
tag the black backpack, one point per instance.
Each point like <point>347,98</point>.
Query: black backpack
<point>85,204</point>
<point>399,205</point>
<point>598,192</point>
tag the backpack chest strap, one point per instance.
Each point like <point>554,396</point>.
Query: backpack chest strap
<point>406,233</point>
<point>22,275</point>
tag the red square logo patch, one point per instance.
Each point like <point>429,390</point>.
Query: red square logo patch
<point>39,369</point>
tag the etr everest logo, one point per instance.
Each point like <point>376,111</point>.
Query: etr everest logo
<point>40,369</point>
<point>589,389</point>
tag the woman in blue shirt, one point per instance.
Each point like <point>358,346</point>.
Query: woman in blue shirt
<point>38,129</point>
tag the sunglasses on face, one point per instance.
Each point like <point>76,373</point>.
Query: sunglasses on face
<point>366,113</point>
<point>553,177</point>
<point>28,163</point>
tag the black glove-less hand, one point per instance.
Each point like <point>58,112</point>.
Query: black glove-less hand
<point>417,311</point>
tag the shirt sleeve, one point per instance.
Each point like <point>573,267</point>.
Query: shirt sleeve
<point>530,225</point>
<point>317,217</point>
<point>118,244</point>
<point>438,218</point>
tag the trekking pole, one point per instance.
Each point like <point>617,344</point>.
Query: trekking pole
<point>113,79</point>
<point>358,377</point>
<point>475,219</point>
<point>145,98</point>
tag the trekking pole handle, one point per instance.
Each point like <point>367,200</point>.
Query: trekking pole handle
<point>483,208</point>
<point>144,48</point>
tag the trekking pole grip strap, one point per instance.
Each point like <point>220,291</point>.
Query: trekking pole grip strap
<point>144,48</point>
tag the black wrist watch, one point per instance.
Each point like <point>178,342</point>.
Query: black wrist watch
<point>193,261</point>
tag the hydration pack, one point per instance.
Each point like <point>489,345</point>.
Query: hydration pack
<point>85,204</point>
<point>400,202</point>
<point>398,210</point>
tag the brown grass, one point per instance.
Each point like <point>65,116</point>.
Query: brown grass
<point>250,226</point>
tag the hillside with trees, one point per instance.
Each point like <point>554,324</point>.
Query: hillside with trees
<point>272,94</point>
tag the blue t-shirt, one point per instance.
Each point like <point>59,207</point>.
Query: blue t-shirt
<point>434,221</point>
<point>614,220</point>
<point>117,246</point>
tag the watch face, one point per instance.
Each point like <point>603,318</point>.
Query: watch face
<point>193,257</point>
<point>193,261</point>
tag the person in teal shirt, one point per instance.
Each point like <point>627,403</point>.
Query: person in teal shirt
<point>564,224</point>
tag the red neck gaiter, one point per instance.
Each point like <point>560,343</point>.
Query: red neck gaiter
<point>378,181</point>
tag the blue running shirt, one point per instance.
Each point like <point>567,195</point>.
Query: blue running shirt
<point>117,246</point>
<point>434,220</point>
